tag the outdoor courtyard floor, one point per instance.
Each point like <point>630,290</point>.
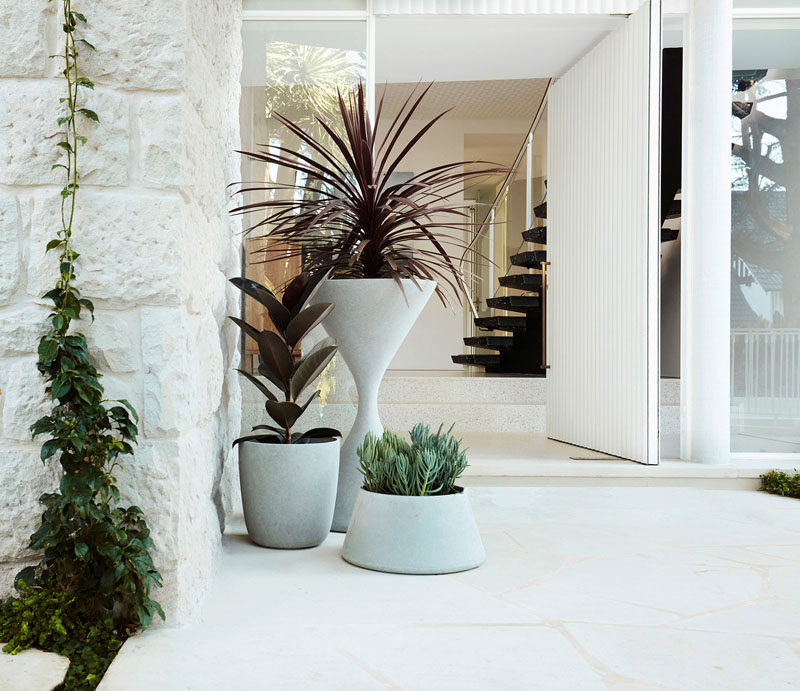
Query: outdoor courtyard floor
<point>583,588</point>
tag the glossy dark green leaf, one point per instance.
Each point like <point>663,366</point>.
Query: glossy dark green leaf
<point>285,413</point>
<point>309,369</point>
<point>319,433</point>
<point>311,398</point>
<point>324,343</point>
<point>278,313</point>
<point>262,438</point>
<point>270,377</point>
<point>306,320</point>
<point>249,329</point>
<point>277,430</point>
<point>89,114</point>
<point>27,576</point>
<point>275,355</point>
<point>258,384</point>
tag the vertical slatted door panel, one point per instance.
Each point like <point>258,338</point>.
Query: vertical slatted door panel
<point>601,333</point>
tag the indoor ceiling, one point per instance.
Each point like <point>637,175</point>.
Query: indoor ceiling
<point>466,48</point>
<point>504,99</point>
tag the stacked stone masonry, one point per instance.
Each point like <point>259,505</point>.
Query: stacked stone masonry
<point>156,246</point>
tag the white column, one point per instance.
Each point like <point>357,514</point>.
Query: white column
<point>706,233</point>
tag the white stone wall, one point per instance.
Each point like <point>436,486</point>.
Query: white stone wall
<point>156,248</point>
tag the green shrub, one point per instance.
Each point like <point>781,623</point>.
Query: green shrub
<point>778,482</point>
<point>50,620</point>
<point>429,465</point>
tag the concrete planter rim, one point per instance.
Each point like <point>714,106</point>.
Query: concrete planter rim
<point>321,440</point>
<point>459,493</point>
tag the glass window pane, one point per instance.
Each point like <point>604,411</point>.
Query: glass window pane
<point>765,236</point>
<point>539,186</point>
<point>291,68</point>
<point>304,5</point>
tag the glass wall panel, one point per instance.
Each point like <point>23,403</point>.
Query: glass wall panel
<point>292,68</point>
<point>539,185</point>
<point>765,237</point>
<point>500,249</point>
<point>304,5</point>
<point>508,237</point>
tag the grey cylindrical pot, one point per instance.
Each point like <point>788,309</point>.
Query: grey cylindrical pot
<point>372,318</point>
<point>415,535</point>
<point>288,492</point>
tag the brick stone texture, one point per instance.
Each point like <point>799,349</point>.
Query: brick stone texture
<point>156,244</point>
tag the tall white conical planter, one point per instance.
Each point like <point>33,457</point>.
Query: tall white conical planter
<point>372,318</point>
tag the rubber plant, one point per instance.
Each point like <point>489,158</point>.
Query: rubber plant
<point>91,588</point>
<point>292,321</point>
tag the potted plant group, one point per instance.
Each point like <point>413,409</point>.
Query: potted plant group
<point>288,478</point>
<point>410,515</point>
<point>350,218</point>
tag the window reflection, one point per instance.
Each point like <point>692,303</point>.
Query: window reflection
<point>294,69</point>
<point>765,242</point>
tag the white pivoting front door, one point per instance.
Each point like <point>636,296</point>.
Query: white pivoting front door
<point>603,244</point>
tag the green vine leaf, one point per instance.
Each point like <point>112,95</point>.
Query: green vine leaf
<point>89,114</point>
<point>92,586</point>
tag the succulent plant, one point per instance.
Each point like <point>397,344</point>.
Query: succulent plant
<point>429,465</point>
<point>292,321</point>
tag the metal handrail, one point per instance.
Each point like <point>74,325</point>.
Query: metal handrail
<point>489,220</point>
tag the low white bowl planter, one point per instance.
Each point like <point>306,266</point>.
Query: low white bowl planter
<point>288,492</point>
<point>415,535</point>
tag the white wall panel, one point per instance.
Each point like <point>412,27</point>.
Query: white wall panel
<point>603,244</point>
<point>505,6</point>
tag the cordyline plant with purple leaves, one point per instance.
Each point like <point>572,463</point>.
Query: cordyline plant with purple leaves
<point>352,220</point>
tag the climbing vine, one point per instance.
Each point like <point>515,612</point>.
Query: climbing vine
<point>91,589</point>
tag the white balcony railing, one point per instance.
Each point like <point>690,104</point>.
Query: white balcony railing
<point>765,371</point>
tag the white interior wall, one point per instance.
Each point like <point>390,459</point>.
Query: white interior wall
<point>438,332</point>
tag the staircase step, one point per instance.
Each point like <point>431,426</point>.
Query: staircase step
<point>501,323</point>
<point>536,235</point>
<point>521,281</point>
<point>491,342</point>
<point>515,303</point>
<point>540,211</point>
<point>476,359</point>
<point>531,260</point>
<point>668,234</point>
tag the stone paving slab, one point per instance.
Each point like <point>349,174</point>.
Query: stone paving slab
<point>583,589</point>
<point>31,670</point>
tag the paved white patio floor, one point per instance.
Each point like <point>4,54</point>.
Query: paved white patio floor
<point>583,588</point>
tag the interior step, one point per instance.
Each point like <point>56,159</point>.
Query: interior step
<point>521,281</point>
<point>536,235</point>
<point>668,234</point>
<point>515,303</point>
<point>501,323</point>
<point>540,211</point>
<point>531,260</point>
<point>482,359</point>
<point>491,342</point>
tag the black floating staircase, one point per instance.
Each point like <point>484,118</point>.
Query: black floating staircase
<point>519,348</point>
<point>517,338</point>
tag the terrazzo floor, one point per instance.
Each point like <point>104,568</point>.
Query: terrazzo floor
<point>583,588</point>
